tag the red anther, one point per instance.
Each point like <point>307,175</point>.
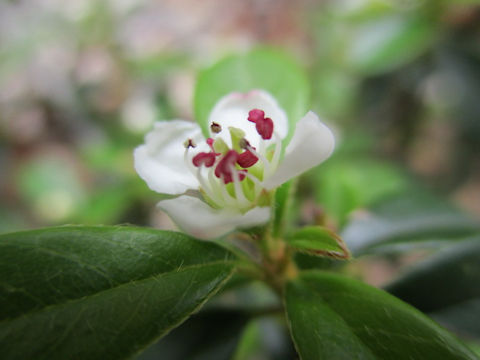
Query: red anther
<point>229,178</point>
<point>263,125</point>
<point>226,163</point>
<point>224,167</point>
<point>246,159</point>
<point>203,158</point>
<point>256,115</point>
<point>242,174</point>
<point>265,128</point>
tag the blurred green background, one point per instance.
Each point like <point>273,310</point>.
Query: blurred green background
<point>81,82</point>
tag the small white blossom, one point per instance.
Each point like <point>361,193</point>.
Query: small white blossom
<point>227,180</point>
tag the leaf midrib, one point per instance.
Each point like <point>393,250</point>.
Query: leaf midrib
<point>113,288</point>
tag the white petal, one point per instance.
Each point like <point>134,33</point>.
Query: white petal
<point>197,218</point>
<point>232,110</point>
<point>312,143</point>
<point>160,161</point>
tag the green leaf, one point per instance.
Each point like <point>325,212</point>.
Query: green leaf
<point>461,318</point>
<point>100,292</point>
<point>346,183</point>
<point>265,69</point>
<point>411,217</point>
<point>450,277</point>
<point>320,241</point>
<point>333,317</point>
<point>283,197</point>
<point>388,42</point>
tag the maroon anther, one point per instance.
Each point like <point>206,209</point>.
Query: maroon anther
<point>224,167</point>
<point>256,115</point>
<point>246,159</point>
<point>263,125</point>
<point>265,128</point>
<point>203,158</point>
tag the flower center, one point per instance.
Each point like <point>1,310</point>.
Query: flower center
<point>232,176</point>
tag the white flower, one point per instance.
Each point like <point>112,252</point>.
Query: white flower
<point>227,180</point>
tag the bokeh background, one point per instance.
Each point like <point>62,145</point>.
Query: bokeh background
<point>82,81</point>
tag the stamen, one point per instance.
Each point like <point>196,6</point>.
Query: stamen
<point>263,159</point>
<point>256,115</point>
<point>253,178</point>
<point>277,151</point>
<point>203,158</point>
<point>210,143</point>
<point>220,189</point>
<point>208,189</point>
<point>215,128</point>
<point>237,178</point>
<point>246,159</point>
<point>265,128</point>
<point>189,143</point>
<point>263,125</point>
<point>222,170</point>
<point>243,143</point>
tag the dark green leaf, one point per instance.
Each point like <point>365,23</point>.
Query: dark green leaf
<point>100,292</point>
<point>333,317</point>
<point>450,277</point>
<point>305,261</point>
<point>265,69</point>
<point>319,241</point>
<point>461,318</point>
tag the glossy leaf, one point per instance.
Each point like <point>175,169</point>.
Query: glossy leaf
<point>259,69</point>
<point>461,318</point>
<point>100,292</point>
<point>334,317</point>
<point>408,218</point>
<point>318,241</point>
<point>450,277</point>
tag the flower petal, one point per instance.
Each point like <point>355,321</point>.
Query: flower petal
<point>160,161</point>
<point>312,143</point>
<point>197,218</point>
<point>233,109</point>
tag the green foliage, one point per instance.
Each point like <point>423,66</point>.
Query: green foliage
<point>411,217</point>
<point>283,197</point>
<point>448,278</point>
<point>333,317</point>
<point>375,37</point>
<point>383,44</point>
<point>317,240</point>
<point>100,292</point>
<point>51,185</point>
<point>265,69</point>
<point>350,182</point>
